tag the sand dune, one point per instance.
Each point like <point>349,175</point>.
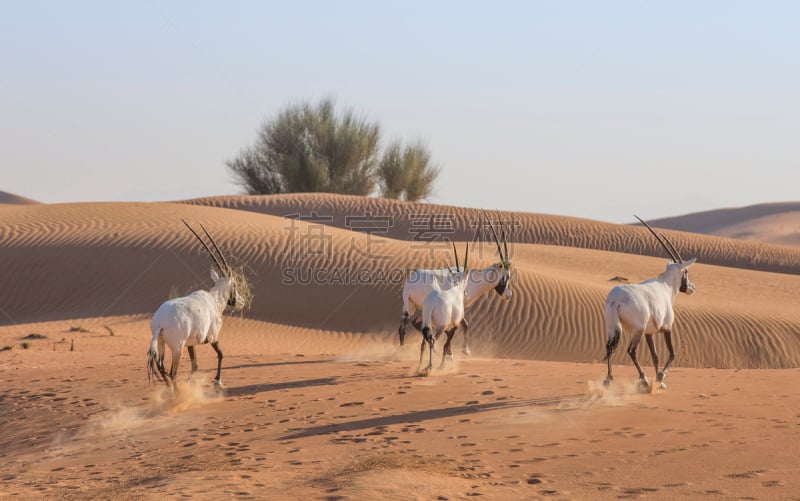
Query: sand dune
<point>321,401</point>
<point>415,222</point>
<point>776,223</point>
<point>89,260</point>
<point>12,199</point>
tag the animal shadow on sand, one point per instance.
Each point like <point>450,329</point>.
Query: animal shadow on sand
<point>278,364</point>
<point>559,404</point>
<point>252,389</point>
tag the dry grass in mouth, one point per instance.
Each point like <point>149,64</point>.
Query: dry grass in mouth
<point>243,289</point>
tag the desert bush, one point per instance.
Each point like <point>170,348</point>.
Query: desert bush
<point>314,148</point>
<point>406,172</point>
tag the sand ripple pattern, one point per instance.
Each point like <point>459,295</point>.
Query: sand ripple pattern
<point>530,228</point>
<point>99,259</point>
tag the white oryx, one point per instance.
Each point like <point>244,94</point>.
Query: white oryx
<point>444,309</point>
<point>420,283</point>
<point>193,319</point>
<point>647,308</point>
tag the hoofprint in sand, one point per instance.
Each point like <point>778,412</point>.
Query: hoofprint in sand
<point>346,417</point>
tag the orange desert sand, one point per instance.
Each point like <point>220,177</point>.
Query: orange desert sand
<point>321,402</point>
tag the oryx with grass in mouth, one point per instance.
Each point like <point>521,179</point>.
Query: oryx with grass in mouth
<point>646,309</point>
<point>420,283</point>
<point>196,318</point>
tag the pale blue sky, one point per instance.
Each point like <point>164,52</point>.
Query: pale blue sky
<point>589,109</point>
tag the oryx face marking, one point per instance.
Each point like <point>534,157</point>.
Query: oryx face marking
<point>502,288</point>
<point>687,286</point>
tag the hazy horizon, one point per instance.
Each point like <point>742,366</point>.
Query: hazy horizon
<point>580,109</point>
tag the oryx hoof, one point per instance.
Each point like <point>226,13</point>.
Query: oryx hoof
<point>660,380</point>
<point>607,381</point>
<point>644,385</point>
<point>218,386</point>
<point>425,372</point>
<point>466,351</point>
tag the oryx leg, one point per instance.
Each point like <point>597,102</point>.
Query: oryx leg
<point>218,378</point>
<point>173,371</point>
<point>661,375</point>
<point>407,307</point>
<point>430,339</point>
<point>161,349</point>
<point>162,371</point>
<point>637,337</point>
<point>426,332</point>
<point>401,331</point>
<point>165,377</point>
<point>465,325</point>
<point>415,321</point>
<point>446,352</point>
<point>157,364</point>
<point>192,358</point>
<point>652,346</point>
<point>611,346</point>
<point>431,342</point>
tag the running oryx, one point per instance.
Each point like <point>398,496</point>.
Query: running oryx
<point>196,318</point>
<point>420,283</point>
<point>444,309</point>
<point>647,308</point>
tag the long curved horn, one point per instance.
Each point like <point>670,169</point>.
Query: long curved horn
<point>455,252</point>
<point>666,248</point>
<point>503,234</point>
<point>672,247</point>
<point>221,255</point>
<point>213,258</point>
<point>466,257</point>
<point>494,234</point>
